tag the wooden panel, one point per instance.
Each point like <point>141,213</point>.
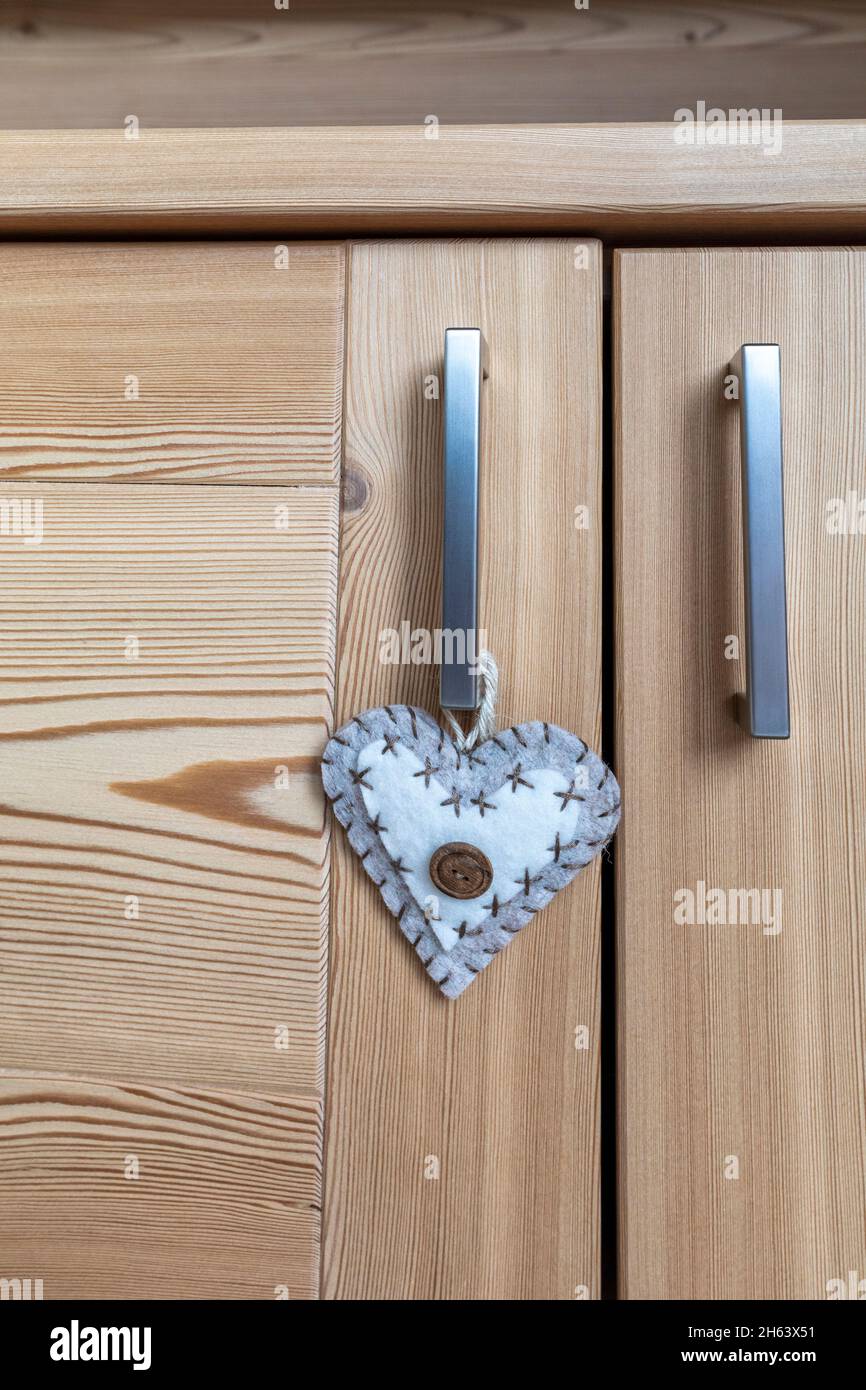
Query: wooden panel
<point>184,362</point>
<point>89,63</point>
<point>594,180</point>
<point>491,1085</point>
<point>181,784</point>
<point>740,1044</point>
<point>148,1192</point>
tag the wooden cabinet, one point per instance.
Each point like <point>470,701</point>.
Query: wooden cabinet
<point>740,885</point>
<point>224,1073</point>
<point>175,551</point>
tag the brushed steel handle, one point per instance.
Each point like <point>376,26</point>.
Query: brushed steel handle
<point>758,369</point>
<point>465,367</point>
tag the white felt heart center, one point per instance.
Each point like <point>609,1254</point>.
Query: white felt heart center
<point>515,827</point>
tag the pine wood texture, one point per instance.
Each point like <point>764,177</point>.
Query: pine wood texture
<point>157,777</point>
<point>614,181</point>
<point>135,1191</point>
<point>739,1046</point>
<point>203,361</point>
<point>163,886</point>
<point>88,63</point>
<point>462,1143</point>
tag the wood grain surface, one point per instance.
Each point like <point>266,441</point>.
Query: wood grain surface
<point>157,778</point>
<point>137,1191</point>
<point>741,1081</point>
<point>89,63</point>
<point>617,182</point>
<point>462,1138</point>
<point>206,361</point>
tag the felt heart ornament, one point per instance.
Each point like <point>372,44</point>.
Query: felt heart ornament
<point>466,844</point>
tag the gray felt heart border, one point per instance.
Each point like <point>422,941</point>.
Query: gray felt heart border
<point>482,769</point>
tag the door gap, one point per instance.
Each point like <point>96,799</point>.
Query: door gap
<point>609,1200</point>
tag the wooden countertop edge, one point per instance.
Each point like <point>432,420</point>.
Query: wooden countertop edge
<point>612,181</point>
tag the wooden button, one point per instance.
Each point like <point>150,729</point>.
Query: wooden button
<point>460,870</point>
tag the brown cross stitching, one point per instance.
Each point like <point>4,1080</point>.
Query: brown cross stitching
<point>527,881</point>
<point>429,769</point>
<point>452,800</point>
<point>570,795</point>
<point>516,780</point>
<point>482,804</point>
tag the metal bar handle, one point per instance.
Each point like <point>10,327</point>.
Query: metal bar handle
<point>757,367</point>
<point>465,367</point>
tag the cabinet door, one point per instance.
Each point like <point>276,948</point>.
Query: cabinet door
<point>463,1137</point>
<point>166,667</point>
<point>741,893</point>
